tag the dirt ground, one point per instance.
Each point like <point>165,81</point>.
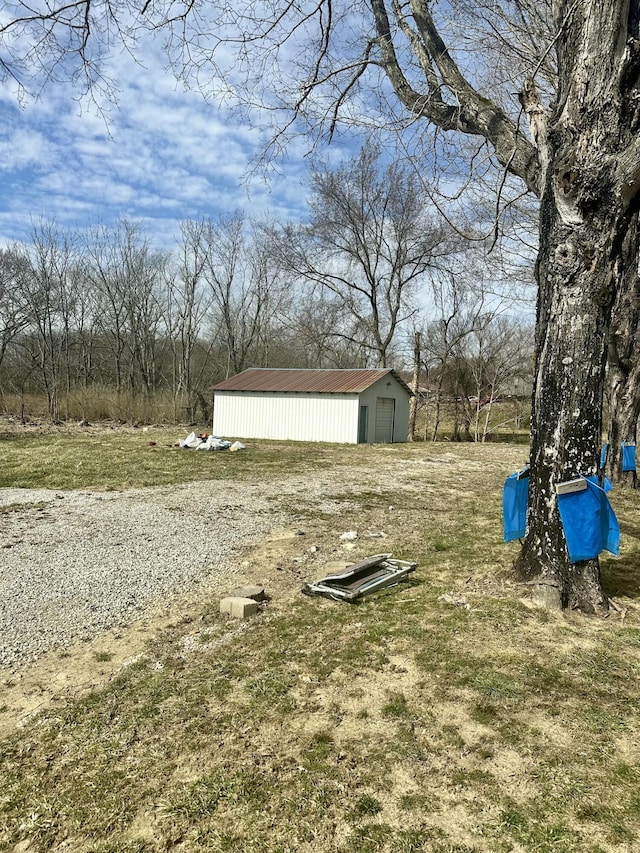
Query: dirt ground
<point>62,675</point>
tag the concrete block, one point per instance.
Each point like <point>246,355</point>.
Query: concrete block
<point>238,608</point>
<point>256,593</point>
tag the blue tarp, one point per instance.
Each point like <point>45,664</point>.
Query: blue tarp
<point>515,496</point>
<point>628,456</point>
<point>603,455</point>
<point>590,524</point>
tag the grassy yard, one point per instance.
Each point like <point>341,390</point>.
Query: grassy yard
<point>123,458</point>
<point>444,715</point>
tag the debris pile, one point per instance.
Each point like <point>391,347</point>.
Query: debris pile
<point>204,441</point>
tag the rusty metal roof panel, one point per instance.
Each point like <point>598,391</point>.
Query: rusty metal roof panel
<point>306,381</point>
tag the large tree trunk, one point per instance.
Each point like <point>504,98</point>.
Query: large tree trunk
<point>624,364</point>
<point>589,167</point>
<point>578,268</point>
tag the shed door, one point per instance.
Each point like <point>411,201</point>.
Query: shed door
<point>363,425</point>
<point>385,410</point>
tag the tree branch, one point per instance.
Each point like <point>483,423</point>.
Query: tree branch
<point>473,114</point>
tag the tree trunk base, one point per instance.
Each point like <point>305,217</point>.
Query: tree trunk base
<point>546,596</point>
<point>628,480</point>
<point>574,586</point>
<point>586,593</point>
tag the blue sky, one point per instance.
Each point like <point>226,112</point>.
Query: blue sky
<point>162,155</point>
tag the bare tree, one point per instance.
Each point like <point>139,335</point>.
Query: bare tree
<point>84,319</point>
<point>318,335</point>
<point>14,278</point>
<point>459,309</point>
<point>104,271</point>
<point>244,284</point>
<point>370,244</point>
<point>415,384</point>
<point>497,353</point>
<point>127,276</point>
<point>586,168</point>
<point>48,297</point>
<point>187,304</point>
<point>14,319</point>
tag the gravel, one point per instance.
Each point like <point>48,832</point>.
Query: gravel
<point>74,564</point>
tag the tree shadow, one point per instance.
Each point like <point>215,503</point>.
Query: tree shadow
<point>630,530</point>
<point>621,575</point>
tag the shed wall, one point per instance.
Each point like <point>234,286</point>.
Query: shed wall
<point>287,417</point>
<point>387,387</point>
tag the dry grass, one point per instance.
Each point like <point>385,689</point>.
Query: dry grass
<point>99,403</point>
<point>116,457</point>
<point>445,715</point>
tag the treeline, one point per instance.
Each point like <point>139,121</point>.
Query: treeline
<point>101,323</point>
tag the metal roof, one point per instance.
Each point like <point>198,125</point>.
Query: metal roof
<point>307,381</point>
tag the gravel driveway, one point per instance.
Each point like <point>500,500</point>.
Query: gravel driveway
<point>76,563</point>
<point>73,564</point>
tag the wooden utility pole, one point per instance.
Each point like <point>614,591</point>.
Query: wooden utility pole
<point>415,387</point>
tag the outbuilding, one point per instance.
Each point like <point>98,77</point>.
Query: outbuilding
<point>342,406</point>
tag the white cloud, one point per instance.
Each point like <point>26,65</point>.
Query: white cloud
<point>163,155</point>
<point>21,149</point>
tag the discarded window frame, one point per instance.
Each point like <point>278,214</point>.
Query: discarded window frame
<point>361,579</point>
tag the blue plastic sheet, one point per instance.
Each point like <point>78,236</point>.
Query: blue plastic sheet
<point>515,497</point>
<point>603,455</point>
<point>628,456</point>
<point>590,524</point>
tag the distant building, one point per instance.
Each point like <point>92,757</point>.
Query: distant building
<point>342,406</point>
<point>517,386</point>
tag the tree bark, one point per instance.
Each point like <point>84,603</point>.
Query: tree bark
<point>624,364</point>
<point>586,210</point>
<point>576,273</point>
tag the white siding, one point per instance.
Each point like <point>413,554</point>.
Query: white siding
<point>290,416</point>
<point>401,422</point>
